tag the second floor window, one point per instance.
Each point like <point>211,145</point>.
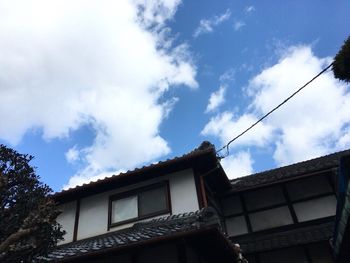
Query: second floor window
<point>139,204</point>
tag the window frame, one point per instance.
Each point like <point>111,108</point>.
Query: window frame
<point>328,174</point>
<point>136,192</point>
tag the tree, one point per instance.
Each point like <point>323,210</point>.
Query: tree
<point>341,63</point>
<point>28,226</point>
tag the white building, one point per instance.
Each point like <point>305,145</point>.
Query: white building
<point>187,210</point>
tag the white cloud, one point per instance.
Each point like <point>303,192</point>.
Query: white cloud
<point>226,126</point>
<point>228,75</point>
<point>216,99</point>
<point>155,12</point>
<point>207,25</point>
<point>313,123</point>
<point>344,139</point>
<point>84,176</point>
<point>238,25</point>
<point>100,63</point>
<point>238,165</point>
<point>249,9</point>
<point>169,105</point>
<point>72,155</point>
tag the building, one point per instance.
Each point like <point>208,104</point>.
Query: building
<point>287,214</point>
<point>187,210</point>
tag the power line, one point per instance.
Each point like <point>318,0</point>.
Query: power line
<point>271,111</point>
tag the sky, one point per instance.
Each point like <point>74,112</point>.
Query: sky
<point>95,88</point>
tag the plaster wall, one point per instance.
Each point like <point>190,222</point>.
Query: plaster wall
<point>67,219</point>
<point>93,219</point>
<point>183,192</point>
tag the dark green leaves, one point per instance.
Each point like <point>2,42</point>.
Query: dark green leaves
<point>341,64</point>
<point>28,226</point>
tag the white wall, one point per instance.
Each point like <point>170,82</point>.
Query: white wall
<point>67,219</point>
<point>183,192</point>
<point>93,219</point>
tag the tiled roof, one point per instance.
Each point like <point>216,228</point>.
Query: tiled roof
<point>296,236</point>
<point>286,172</point>
<point>206,148</point>
<point>165,227</point>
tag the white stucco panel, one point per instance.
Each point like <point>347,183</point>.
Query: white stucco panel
<point>93,219</point>
<point>67,219</point>
<point>183,192</point>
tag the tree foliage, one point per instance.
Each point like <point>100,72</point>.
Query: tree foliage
<point>28,226</point>
<point>341,64</point>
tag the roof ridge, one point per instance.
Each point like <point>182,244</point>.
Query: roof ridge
<point>205,147</point>
<point>166,226</point>
<point>287,238</point>
<point>206,215</point>
<point>335,154</point>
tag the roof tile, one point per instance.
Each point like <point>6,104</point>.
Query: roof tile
<point>303,235</point>
<point>204,148</point>
<point>142,231</point>
<point>286,172</point>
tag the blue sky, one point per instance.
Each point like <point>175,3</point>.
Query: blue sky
<point>92,88</point>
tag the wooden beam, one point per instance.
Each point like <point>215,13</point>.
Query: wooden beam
<point>76,220</point>
<point>202,188</point>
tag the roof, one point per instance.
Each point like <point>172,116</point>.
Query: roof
<point>293,237</point>
<point>161,229</point>
<point>203,157</point>
<point>287,172</point>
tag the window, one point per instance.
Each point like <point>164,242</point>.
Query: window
<point>264,197</point>
<point>312,197</point>
<point>139,204</point>
<point>124,209</point>
<point>270,218</point>
<point>312,186</point>
<point>231,205</point>
<point>286,203</point>
<point>236,226</point>
<point>316,208</point>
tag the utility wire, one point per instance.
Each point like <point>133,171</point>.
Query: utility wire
<point>271,111</point>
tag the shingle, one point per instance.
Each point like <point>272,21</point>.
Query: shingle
<point>298,236</point>
<point>142,231</point>
<point>297,169</point>
<point>204,148</point>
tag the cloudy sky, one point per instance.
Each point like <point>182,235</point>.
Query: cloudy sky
<point>93,88</point>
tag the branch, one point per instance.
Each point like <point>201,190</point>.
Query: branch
<point>26,229</point>
<point>13,238</point>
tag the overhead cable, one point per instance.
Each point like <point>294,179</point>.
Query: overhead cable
<point>226,146</point>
